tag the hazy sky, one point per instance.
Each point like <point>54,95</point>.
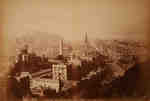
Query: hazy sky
<point>72,18</point>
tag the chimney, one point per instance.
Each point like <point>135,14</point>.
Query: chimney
<point>86,38</point>
<point>61,47</point>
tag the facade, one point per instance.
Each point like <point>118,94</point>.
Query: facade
<point>59,71</point>
<point>44,84</point>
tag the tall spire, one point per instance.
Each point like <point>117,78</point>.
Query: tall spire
<point>86,44</point>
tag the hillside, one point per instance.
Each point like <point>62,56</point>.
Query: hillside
<point>39,42</point>
<point>114,69</point>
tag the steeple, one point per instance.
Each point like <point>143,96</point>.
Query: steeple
<point>86,44</point>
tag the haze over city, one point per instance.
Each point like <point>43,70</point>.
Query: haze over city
<point>72,18</point>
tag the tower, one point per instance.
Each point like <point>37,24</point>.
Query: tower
<point>61,48</point>
<point>24,53</point>
<point>86,45</point>
<point>86,38</point>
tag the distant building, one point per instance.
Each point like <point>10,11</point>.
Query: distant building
<point>59,71</point>
<point>24,56</point>
<point>86,50</point>
<point>44,84</point>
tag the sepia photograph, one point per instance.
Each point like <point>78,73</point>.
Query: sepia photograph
<point>74,50</point>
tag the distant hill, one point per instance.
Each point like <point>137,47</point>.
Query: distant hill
<point>116,70</point>
<point>114,48</point>
<point>122,48</point>
<point>39,42</point>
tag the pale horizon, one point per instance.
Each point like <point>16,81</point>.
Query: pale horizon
<point>72,18</point>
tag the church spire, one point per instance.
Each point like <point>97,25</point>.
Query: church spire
<point>86,44</point>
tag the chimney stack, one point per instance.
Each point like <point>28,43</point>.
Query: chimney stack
<point>86,38</point>
<point>61,47</point>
